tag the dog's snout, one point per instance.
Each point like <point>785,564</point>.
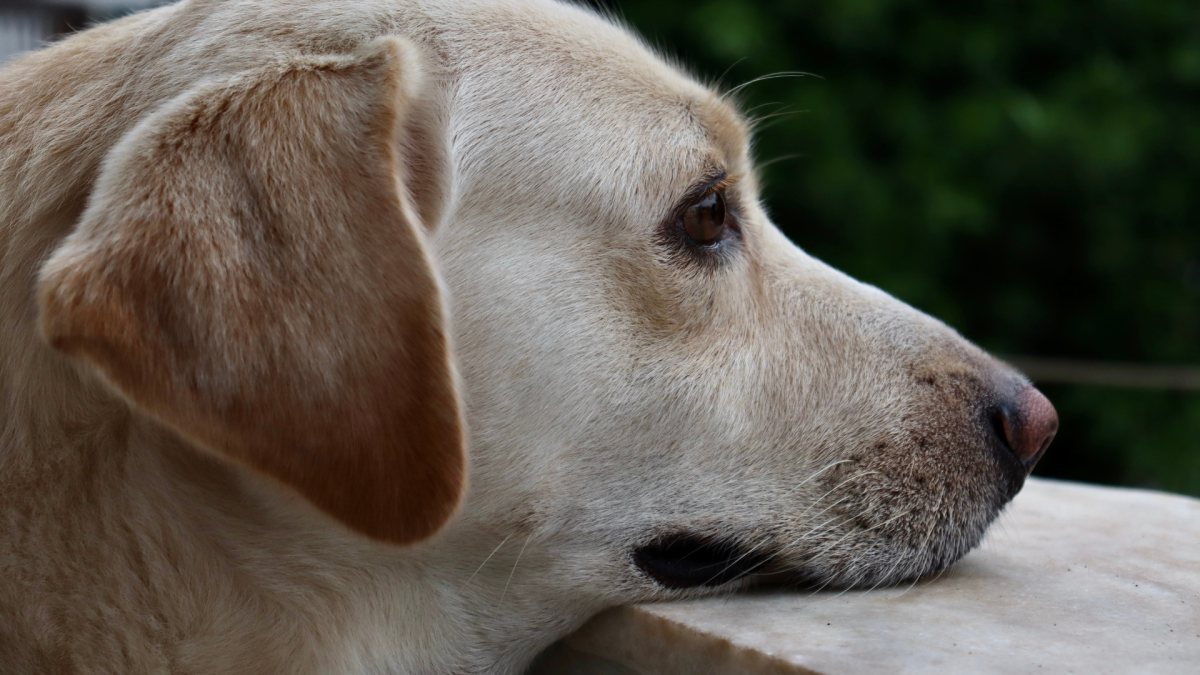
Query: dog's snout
<point>1028,423</point>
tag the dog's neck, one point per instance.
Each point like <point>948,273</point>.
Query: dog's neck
<point>123,517</point>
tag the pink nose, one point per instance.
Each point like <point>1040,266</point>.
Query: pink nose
<point>1030,425</point>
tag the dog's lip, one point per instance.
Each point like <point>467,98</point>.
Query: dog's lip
<point>690,560</point>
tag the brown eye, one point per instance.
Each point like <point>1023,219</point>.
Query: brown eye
<point>704,221</point>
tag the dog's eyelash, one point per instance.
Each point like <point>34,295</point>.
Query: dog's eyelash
<point>723,184</point>
<point>715,182</point>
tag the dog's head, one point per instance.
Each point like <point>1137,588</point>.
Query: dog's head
<point>662,393</point>
<point>663,390</point>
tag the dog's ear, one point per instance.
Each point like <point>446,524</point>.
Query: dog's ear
<point>249,271</point>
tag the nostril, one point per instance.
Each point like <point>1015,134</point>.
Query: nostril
<point>1028,426</point>
<point>1003,428</point>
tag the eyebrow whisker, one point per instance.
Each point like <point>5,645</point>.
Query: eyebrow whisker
<point>771,76</point>
<point>781,158</point>
<point>717,82</point>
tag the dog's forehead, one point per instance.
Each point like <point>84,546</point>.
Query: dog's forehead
<point>552,95</point>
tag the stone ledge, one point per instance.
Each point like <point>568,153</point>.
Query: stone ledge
<point>1073,578</point>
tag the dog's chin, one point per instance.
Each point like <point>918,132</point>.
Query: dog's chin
<point>817,577</point>
<point>699,562</point>
<point>869,563</point>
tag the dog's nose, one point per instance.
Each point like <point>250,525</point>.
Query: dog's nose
<point>1029,423</point>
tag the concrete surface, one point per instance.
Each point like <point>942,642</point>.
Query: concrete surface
<point>1072,579</point>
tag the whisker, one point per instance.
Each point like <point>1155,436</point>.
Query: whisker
<point>766,77</point>
<point>906,590</point>
<point>842,592</point>
<point>887,575</point>
<point>760,105</point>
<point>821,587</point>
<point>781,158</point>
<point>782,110</point>
<point>829,547</point>
<point>818,527</point>
<point>485,560</point>
<point>717,83</point>
<point>827,467</point>
<point>739,559</point>
<point>925,541</point>
<point>917,581</point>
<point>899,559</point>
<point>759,128</point>
<point>831,491</point>
<point>939,574</point>
<point>756,123</point>
<point>514,570</point>
<point>801,537</point>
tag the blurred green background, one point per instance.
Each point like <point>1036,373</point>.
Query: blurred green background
<point>1026,170</point>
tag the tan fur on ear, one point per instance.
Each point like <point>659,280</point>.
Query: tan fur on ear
<point>248,272</point>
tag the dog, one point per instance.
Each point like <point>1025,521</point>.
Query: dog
<point>278,277</point>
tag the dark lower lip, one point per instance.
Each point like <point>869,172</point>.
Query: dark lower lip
<point>693,561</point>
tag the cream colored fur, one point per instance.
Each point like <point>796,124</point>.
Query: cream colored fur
<point>615,387</point>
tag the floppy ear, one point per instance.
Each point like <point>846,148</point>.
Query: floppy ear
<point>249,272</point>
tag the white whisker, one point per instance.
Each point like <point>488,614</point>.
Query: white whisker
<point>829,547</point>
<point>928,533</point>
<point>776,160</point>
<point>485,560</point>
<point>756,123</point>
<point>739,559</point>
<point>717,83</point>
<point>895,564</point>
<point>771,76</point>
<point>760,105</point>
<point>514,570</point>
<point>812,477</point>
<point>818,527</point>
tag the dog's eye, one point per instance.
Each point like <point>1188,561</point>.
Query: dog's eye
<point>704,221</point>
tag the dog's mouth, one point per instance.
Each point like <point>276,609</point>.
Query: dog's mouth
<point>688,560</point>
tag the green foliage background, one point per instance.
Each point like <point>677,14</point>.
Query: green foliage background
<point>1026,170</point>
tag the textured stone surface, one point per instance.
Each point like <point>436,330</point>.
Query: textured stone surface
<point>1073,578</point>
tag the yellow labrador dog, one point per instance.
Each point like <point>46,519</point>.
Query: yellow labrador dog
<point>270,271</point>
